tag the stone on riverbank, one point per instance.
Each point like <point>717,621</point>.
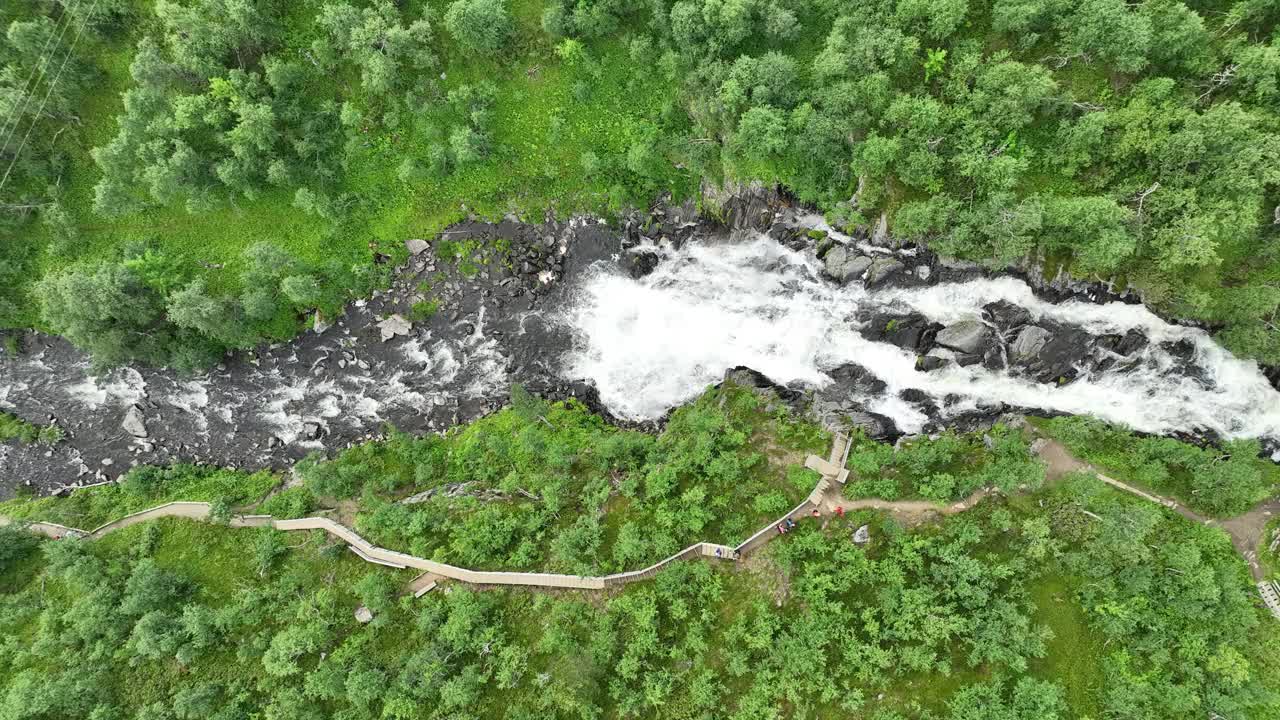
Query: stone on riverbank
<point>134,423</point>
<point>843,264</point>
<point>881,269</point>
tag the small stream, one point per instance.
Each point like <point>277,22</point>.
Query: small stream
<point>636,319</point>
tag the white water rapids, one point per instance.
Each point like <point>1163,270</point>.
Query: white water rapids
<point>653,343</point>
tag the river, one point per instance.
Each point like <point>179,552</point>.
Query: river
<point>637,318</point>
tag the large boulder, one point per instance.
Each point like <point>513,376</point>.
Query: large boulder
<point>743,376</point>
<point>1053,354</point>
<point>843,264</point>
<point>966,336</point>
<point>134,423</point>
<point>393,326</point>
<point>1127,344</point>
<point>882,269</point>
<point>931,362</point>
<point>1030,341</point>
<point>641,262</point>
<point>1007,316</point>
<point>857,378</point>
<point>873,425</point>
<point>909,332</point>
<point>416,246</point>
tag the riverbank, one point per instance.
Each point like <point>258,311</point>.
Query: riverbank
<point>651,310</point>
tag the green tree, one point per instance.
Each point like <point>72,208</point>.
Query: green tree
<point>479,26</point>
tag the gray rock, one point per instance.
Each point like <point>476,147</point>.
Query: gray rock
<point>951,263</point>
<point>416,246</point>
<point>134,424</point>
<point>931,362</point>
<point>393,326</point>
<point>862,535</point>
<point>880,236</point>
<point>967,336</point>
<point>843,264</point>
<point>875,425</point>
<point>364,615</point>
<point>858,266</point>
<point>311,430</point>
<point>1029,343</point>
<point>881,269</point>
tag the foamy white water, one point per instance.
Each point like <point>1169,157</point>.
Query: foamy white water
<point>654,343</point>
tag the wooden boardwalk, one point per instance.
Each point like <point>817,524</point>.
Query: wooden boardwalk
<point>433,571</point>
<point>822,501</point>
<point>1270,597</point>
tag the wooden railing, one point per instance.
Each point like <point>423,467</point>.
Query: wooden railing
<point>369,552</point>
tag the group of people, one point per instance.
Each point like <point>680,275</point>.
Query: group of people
<point>788,524</point>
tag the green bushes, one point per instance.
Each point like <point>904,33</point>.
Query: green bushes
<point>151,308</point>
<point>141,488</point>
<point>944,467</point>
<point>15,428</point>
<point>480,26</point>
<point>551,485</point>
<point>940,622</point>
<point>1220,482</point>
<point>15,545</point>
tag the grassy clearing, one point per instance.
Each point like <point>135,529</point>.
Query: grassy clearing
<point>547,117</point>
<point>1075,651</point>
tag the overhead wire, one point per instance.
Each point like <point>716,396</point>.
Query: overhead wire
<point>49,93</point>
<point>33,81</point>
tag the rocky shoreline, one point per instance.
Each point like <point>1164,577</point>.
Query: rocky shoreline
<point>442,345</point>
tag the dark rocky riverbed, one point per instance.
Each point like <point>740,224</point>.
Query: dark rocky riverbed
<point>500,318</point>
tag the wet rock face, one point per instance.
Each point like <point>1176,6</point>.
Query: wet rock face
<point>909,332</point>
<point>1031,341</point>
<point>857,379</point>
<point>1007,316</point>
<point>844,264</point>
<point>967,336</point>
<point>640,262</point>
<point>881,269</point>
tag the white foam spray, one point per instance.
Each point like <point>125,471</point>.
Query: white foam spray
<point>654,343</point>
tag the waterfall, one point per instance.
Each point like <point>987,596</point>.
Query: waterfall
<point>652,343</point>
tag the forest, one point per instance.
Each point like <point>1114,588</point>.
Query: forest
<point>185,180</point>
<point>189,177</point>
<point>1047,600</point>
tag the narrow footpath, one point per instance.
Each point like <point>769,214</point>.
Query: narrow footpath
<point>827,497</point>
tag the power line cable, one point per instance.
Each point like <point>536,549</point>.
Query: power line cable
<point>36,120</point>
<point>38,72</point>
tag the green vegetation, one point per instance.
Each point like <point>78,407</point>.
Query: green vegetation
<point>1137,141</point>
<point>142,488</point>
<point>15,428</point>
<point>948,467</point>
<point>1220,482</point>
<point>1027,609</point>
<point>552,486</point>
